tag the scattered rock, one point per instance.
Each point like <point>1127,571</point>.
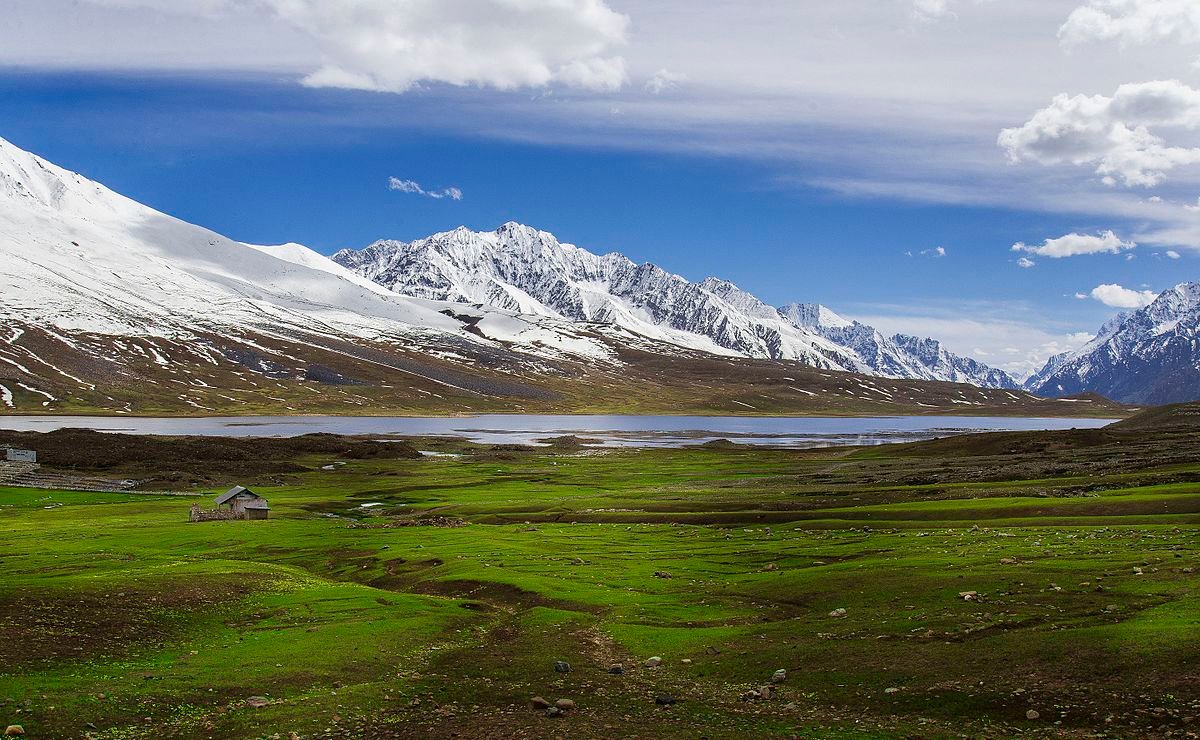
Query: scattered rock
<point>617,669</point>
<point>1032,714</point>
<point>686,661</point>
<point>770,567</point>
<point>779,676</point>
<point>554,712</point>
<point>765,693</point>
<point>257,702</point>
<point>653,662</point>
<point>562,666</point>
<point>14,731</point>
<point>969,595</point>
<point>664,700</point>
<point>539,704</point>
<point>662,574</point>
<point>891,690</point>
<point>1009,561</point>
<point>839,612</point>
<point>565,705</point>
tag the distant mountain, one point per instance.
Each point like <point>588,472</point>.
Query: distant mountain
<point>897,356</point>
<point>1149,356</point>
<point>523,269</point>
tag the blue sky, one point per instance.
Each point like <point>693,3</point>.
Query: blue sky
<point>839,190</point>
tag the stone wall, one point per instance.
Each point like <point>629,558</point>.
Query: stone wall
<point>214,515</point>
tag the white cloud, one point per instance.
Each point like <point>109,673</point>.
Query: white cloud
<point>1073,245</point>
<point>934,252</point>
<point>1025,263</point>
<point>1173,254</point>
<point>852,99</point>
<point>1116,296</point>
<point>390,46</point>
<point>1111,133</point>
<point>663,80</point>
<point>413,187</point>
<point>1131,22</point>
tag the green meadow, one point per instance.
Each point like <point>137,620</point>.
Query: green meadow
<point>1063,602</point>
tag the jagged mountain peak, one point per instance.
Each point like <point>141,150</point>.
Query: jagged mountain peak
<point>814,315</point>
<point>1148,356</point>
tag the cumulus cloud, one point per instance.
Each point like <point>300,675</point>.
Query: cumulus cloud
<point>1025,263</point>
<point>934,252</point>
<point>1111,133</point>
<point>413,187</point>
<point>1173,254</point>
<point>1130,22</point>
<point>1111,294</point>
<point>1073,244</point>
<point>390,46</point>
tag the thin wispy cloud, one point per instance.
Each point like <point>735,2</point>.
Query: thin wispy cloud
<point>414,188</point>
<point>664,80</point>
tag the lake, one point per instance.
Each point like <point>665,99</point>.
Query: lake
<point>623,431</point>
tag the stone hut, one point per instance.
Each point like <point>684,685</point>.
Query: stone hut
<point>244,503</point>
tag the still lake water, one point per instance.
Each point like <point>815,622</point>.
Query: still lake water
<point>625,431</point>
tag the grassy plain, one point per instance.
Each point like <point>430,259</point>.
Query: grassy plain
<point>122,620</point>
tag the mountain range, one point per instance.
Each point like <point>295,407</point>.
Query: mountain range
<point>108,306</point>
<point>519,268</point>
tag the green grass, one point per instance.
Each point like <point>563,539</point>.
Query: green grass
<point>425,631</point>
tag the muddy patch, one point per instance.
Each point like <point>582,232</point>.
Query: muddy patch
<point>501,595</point>
<point>53,625</point>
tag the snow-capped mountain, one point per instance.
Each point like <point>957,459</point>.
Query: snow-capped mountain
<point>897,356</point>
<point>521,268</point>
<point>105,281</point>
<point>1149,356</point>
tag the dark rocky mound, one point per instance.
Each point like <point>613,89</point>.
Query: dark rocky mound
<point>194,458</point>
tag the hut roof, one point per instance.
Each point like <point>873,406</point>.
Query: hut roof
<point>232,492</point>
<point>259,503</point>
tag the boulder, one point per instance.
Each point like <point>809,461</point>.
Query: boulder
<point>562,666</point>
<point>653,662</point>
<point>14,731</point>
<point>565,705</point>
<point>539,704</point>
<point>779,676</point>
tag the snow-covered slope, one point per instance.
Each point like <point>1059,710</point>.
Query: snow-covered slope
<point>520,268</point>
<point>78,257</point>
<point>1149,356</point>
